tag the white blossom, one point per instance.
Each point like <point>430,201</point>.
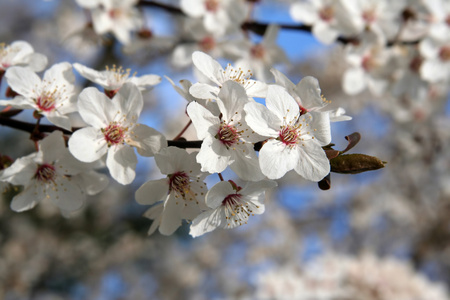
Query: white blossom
<point>231,206</point>
<point>182,191</point>
<point>112,79</point>
<point>53,96</point>
<point>54,174</point>
<point>21,53</point>
<point>114,131</point>
<point>295,140</point>
<point>262,56</point>
<point>218,76</point>
<point>219,16</point>
<point>309,96</point>
<point>227,139</point>
<point>119,17</point>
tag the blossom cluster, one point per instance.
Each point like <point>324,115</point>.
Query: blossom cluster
<point>334,276</point>
<point>289,130</point>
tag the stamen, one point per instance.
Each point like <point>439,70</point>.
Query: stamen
<point>45,173</point>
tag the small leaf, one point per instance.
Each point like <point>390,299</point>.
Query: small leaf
<point>355,163</point>
<point>352,139</point>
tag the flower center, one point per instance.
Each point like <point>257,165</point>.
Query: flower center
<point>326,13</point>
<point>179,182</point>
<point>237,211</point>
<point>47,101</point>
<point>115,13</point>
<point>289,135</point>
<point>207,44</point>
<point>228,135</point>
<point>45,173</point>
<point>114,134</point>
<point>368,63</point>
<point>415,64</point>
<point>444,53</point>
<point>238,75</point>
<point>117,76</point>
<point>212,5</point>
<point>447,20</point>
<point>369,16</point>
<point>257,51</point>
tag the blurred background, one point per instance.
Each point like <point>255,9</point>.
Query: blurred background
<point>382,234</point>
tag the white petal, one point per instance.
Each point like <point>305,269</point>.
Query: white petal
<point>53,147</point>
<point>257,188</point>
<point>20,172</point>
<point>262,120</point>
<point>96,108</point>
<point>310,93</point>
<point>204,91</point>
<point>232,98</point>
<point>434,70</point>
<point>171,217</point>
<point>60,121</point>
<point>276,159</point>
<point>172,159</point>
<point>61,72</point>
<point>193,8</point>
<point>303,12</point>
<point>246,164</point>
<point>324,33</point>
<point>19,102</point>
<point>91,74</point>
<point>37,62</point>
<point>218,193</point>
<point>282,104</point>
<point>206,222</point>
<point>208,66</point>
<point>87,144</point>
<point>66,195</point>
<point>92,182</point>
<point>147,140</point>
<point>23,81</point>
<point>213,156</point>
<point>319,127</point>
<point>129,102</point>
<point>354,81</point>
<point>202,119</point>
<point>256,88</point>
<point>121,162</point>
<point>146,81</point>
<point>27,199</point>
<point>282,80</point>
<point>152,191</point>
<point>313,163</point>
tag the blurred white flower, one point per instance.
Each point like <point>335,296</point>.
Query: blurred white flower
<point>219,16</point>
<point>53,96</point>
<point>262,56</point>
<point>119,17</point>
<point>436,63</point>
<point>328,18</point>
<point>52,173</point>
<point>20,53</point>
